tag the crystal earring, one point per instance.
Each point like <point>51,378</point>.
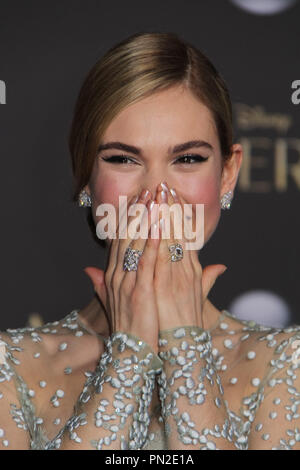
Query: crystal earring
<point>226,200</point>
<point>84,199</point>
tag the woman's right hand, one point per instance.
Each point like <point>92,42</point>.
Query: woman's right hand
<point>128,296</point>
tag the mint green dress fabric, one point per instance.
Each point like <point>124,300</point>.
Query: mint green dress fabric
<point>234,386</point>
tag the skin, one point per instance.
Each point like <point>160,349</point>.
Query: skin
<point>155,124</point>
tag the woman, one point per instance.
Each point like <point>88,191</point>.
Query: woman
<point>150,363</point>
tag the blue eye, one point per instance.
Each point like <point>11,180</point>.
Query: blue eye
<point>196,158</point>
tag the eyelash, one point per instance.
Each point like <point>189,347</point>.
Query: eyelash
<point>113,158</point>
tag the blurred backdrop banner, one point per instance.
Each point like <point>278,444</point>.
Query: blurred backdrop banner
<point>47,49</point>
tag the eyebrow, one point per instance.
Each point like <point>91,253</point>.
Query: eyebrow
<point>137,151</point>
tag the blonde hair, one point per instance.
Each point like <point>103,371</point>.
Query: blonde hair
<point>133,69</point>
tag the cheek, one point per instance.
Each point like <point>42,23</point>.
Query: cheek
<point>207,192</point>
<point>107,189</point>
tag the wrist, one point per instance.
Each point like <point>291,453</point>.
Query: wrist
<point>196,333</point>
<point>142,355</point>
<point>183,345</point>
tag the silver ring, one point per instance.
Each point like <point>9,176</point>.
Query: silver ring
<point>131,259</point>
<point>176,252</point>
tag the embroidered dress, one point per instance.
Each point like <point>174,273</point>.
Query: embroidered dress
<point>234,386</point>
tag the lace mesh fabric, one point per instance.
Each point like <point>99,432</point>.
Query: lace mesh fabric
<point>235,386</point>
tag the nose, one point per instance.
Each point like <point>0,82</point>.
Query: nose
<point>154,183</point>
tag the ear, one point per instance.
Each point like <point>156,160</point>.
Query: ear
<point>231,169</point>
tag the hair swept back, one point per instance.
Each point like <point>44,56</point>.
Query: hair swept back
<point>133,69</point>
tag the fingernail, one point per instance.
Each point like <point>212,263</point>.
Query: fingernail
<point>173,192</point>
<point>151,205</point>
<point>135,198</point>
<point>145,194</point>
<point>163,196</point>
<point>164,186</point>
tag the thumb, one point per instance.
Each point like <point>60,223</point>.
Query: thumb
<point>96,275</point>
<point>209,276</point>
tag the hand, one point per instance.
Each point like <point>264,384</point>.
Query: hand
<point>181,287</point>
<point>128,297</point>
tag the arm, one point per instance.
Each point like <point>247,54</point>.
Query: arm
<point>112,411</point>
<point>195,414</point>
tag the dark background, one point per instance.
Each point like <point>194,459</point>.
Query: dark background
<point>46,50</point>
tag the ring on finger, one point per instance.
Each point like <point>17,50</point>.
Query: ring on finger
<point>176,251</point>
<point>131,259</point>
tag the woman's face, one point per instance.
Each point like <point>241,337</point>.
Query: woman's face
<point>155,125</point>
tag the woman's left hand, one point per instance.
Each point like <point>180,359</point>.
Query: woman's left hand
<point>181,287</point>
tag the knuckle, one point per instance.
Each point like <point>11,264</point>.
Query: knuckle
<point>127,285</point>
<point>107,278</point>
<point>135,297</point>
<point>115,281</point>
<point>197,269</point>
<point>142,263</point>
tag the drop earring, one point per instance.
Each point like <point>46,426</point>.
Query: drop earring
<point>84,199</point>
<point>226,200</point>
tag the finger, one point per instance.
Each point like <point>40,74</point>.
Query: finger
<point>130,277</point>
<point>147,261</point>
<point>170,243</point>
<point>162,272</point>
<point>189,223</point>
<point>134,223</point>
<point>112,293</point>
<point>183,272</point>
<point>115,241</point>
<point>176,215</point>
<point>97,277</point>
<point>166,237</point>
<point>209,277</point>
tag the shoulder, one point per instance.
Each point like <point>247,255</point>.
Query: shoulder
<point>263,383</point>
<point>259,343</point>
<point>268,351</point>
<point>51,347</point>
<point>253,352</point>
<point>276,346</point>
<point>276,421</point>
<point>39,368</point>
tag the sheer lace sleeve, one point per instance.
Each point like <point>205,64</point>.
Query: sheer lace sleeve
<point>191,393</point>
<point>277,421</point>
<point>13,429</point>
<point>112,412</point>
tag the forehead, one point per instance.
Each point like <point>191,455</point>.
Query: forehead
<point>168,116</point>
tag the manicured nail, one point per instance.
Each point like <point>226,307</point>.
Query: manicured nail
<point>135,198</point>
<point>145,194</point>
<point>173,192</point>
<point>151,205</point>
<point>164,186</point>
<point>164,196</point>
